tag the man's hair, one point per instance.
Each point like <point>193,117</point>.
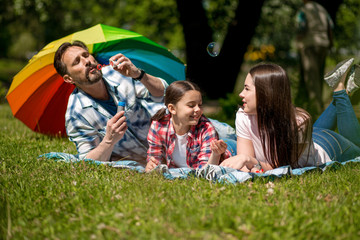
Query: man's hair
<point>58,63</point>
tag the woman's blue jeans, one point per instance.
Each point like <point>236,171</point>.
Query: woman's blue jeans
<point>344,145</point>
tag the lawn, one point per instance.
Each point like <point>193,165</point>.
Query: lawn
<point>42,199</point>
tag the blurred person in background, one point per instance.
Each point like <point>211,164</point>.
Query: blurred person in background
<point>313,41</point>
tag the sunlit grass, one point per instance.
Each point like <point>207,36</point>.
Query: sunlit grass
<point>46,199</point>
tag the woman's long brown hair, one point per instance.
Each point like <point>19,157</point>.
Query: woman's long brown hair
<point>277,117</point>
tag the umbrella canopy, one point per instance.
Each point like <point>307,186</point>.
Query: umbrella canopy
<point>38,95</point>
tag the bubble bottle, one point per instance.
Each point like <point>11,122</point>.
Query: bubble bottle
<point>121,106</point>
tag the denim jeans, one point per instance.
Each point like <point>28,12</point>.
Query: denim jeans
<point>344,145</point>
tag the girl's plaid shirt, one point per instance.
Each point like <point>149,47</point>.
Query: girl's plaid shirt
<point>162,136</point>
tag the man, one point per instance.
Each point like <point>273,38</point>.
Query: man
<point>314,39</point>
<point>92,121</point>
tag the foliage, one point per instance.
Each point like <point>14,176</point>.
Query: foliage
<point>27,25</point>
<point>228,109</point>
<point>8,68</point>
<point>276,27</point>
<point>263,53</point>
<point>49,20</point>
<point>220,13</point>
<point>46,21</point>
<point>347,31</point>
<point>44,199</point>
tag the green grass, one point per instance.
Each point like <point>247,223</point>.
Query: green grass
<point>42,199</point>
<point>8,69</point>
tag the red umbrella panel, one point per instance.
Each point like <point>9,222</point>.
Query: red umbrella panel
<point>31,100</point>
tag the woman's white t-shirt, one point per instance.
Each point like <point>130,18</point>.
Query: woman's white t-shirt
<point>179,153</point>
<point>246,127</point>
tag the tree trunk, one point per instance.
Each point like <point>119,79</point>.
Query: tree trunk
<point>216,76</point>
<point>331,6</point>
<point>237,40</point>
<point>198,34</point>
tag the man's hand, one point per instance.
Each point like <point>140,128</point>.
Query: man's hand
<point>115,128</point>
<point>124,66</point>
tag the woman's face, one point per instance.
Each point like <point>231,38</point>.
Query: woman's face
<point>248,96</point>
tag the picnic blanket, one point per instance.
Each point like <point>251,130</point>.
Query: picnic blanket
<point>213,173</point>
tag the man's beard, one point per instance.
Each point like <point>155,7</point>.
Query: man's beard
<point>96,75</point>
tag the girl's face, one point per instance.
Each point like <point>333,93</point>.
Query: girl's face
<point>248,96</point>
<point>188,110</point>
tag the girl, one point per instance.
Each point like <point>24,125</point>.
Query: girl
<point>271,132</point>
<point>182,137</point>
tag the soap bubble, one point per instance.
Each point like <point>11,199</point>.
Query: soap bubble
<point>213,49</point>
<point>99,67</point>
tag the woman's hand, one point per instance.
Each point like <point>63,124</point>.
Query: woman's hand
<point>257,170</point>
<point>241,162</point>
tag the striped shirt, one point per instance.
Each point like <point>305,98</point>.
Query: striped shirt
<point>85,119</point>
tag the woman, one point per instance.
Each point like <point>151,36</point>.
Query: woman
<point>271,132</point>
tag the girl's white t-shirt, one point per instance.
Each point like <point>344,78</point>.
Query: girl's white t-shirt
<point>246,127</point>
<point>179,153</point>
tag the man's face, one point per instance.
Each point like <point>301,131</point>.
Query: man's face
<point>81,67</point>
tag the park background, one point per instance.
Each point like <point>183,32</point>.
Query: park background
<point>44,199</point>
<point>247,31</point>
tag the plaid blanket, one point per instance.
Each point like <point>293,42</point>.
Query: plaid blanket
<point>213,173</point>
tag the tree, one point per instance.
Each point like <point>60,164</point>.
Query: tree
<point>175,24</point>
<point>331,6</point>
<point>216,75</point>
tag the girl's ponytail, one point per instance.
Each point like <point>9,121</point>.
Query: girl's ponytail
<point>159,114</point>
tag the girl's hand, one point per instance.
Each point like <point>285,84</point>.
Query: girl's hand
<point>218,146</point>
<point>152,163</point>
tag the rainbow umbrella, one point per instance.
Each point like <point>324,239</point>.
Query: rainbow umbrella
<point>38,96</point>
